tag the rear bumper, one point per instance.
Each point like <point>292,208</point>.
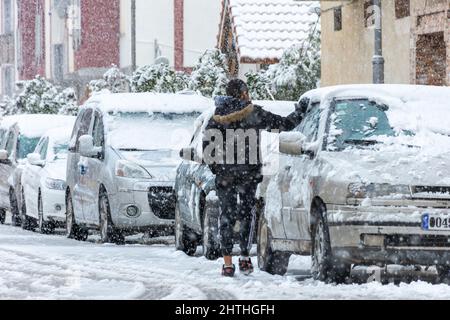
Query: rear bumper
<point>54,204</point>
<point>371,235</point>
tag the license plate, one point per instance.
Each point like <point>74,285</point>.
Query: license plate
<point>436,222</point>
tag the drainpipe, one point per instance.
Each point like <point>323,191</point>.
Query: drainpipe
<point>378,60</point>
<point>133,35</point>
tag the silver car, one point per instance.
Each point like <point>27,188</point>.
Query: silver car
<point>365,179</point>
<point>122,162</point>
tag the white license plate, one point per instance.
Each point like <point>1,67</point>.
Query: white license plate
<point>436,222</point>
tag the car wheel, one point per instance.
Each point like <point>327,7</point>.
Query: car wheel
<point>273,262</point>
<point>108,233</point>
<point>325,267</point>
<point>184,240</point>
<point>73,231</point>
<point>15,214</point>
<point>2,216</point>
<point>45,227</point>
<point>28,223</point>
<point>211,246</point>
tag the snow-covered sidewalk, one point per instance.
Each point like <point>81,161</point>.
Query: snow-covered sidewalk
<point>35,266</point>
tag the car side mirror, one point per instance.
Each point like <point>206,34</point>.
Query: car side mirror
<point>188,154</point>
<point>4,155</point>
<point>87,148</point>
<point>292,143</point>
<point>35,160</point>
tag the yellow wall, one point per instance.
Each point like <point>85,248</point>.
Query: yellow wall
<point>347,54</point>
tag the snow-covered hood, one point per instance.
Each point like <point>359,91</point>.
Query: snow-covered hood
<point>396,165</point>
<point>57,169</point>
<point>161,164</point>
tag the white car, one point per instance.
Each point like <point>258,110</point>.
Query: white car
<point>44,181</point>
<point>20,134</point>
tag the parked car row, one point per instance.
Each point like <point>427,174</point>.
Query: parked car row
<point>364,179</point>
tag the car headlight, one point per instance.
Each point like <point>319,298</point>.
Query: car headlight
<point>361,191</point>
<point>128,169</point>
<point>55,184</point>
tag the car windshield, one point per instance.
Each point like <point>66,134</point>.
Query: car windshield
<point>141,131</point>
<point>26,145</point>
<point>358,122</point>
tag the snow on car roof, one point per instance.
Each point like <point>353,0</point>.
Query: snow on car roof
<point>60,134</point>
<point>282,108</point>
<point>151,102</point>
<point>410,106</point>
<point>35,125</point>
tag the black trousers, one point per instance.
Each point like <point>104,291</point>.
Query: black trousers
<point>232,210</point>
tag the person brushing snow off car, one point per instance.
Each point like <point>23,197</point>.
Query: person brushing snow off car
<point>231,148</point>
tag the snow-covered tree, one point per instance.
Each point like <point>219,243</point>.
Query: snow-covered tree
<point>209,76</point>
<point>259,85</point>
<point>37,97</point>
<point>113,80</point>
<point>298,70</point>
<point>158,78</point>
<point>7,106</point>
<point>67,99</point>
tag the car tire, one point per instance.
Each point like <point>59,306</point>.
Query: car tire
<point>45,227</point>
<point>211,246</point>
<point>273,262</point>
<point>325,267</point>
<point>28,223</point>
<point>108,233</point>
<point>184,240</point>
<point>15,214</point>
<point>2,216</point>
<point>73,231</point>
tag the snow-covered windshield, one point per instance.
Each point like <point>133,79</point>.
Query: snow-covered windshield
<point>26,146</point>
<point>358,122</point>
<point>141,131</point>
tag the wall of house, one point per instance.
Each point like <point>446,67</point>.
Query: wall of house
<point>100,32</point>
<point>31,19</point>
<point>201,26</point>
<point>347,54</point>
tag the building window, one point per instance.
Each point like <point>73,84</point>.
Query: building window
<point>369,13</point>
<point>402,8</point>
<point>7,17</point>
<point>38,28</point>
<point>338,19</point>
<point>7,80</point>
<point>58,60</point>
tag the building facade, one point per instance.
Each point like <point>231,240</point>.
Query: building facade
<point>178,30</point>
<point>8,48</point>
<point>415,40</point>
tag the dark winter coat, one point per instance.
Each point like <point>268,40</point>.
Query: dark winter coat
<point>232,113</point>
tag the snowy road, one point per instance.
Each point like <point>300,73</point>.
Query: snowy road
<point>35,266</point>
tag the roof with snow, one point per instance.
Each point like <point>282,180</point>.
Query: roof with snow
<point>35,125</point>
<point>151,102</point>
<point>264,29</point>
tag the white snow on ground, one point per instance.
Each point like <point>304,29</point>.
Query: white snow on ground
<point>35,266</point>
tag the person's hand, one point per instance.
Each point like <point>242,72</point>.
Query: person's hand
<point>302,106</point>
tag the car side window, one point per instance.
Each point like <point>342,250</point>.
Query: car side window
<point>98,132</point>
<point>310,125</point>
<point>2,136</point>
<point>43,149</point>
<point>84,126</point>
<point>10,142</point>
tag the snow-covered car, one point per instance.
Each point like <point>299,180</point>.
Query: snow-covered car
<point>44,181</point>
<point>197,208</point>
<point>21,134</point>
<point>122,162</point>
<point>365,179</point>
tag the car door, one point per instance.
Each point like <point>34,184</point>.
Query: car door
<point>7,166</point>
<point>189,189</point>
<point>93,168</point>
<point>295,180</point>
<point>76,168</point>
<point>32,178</point>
